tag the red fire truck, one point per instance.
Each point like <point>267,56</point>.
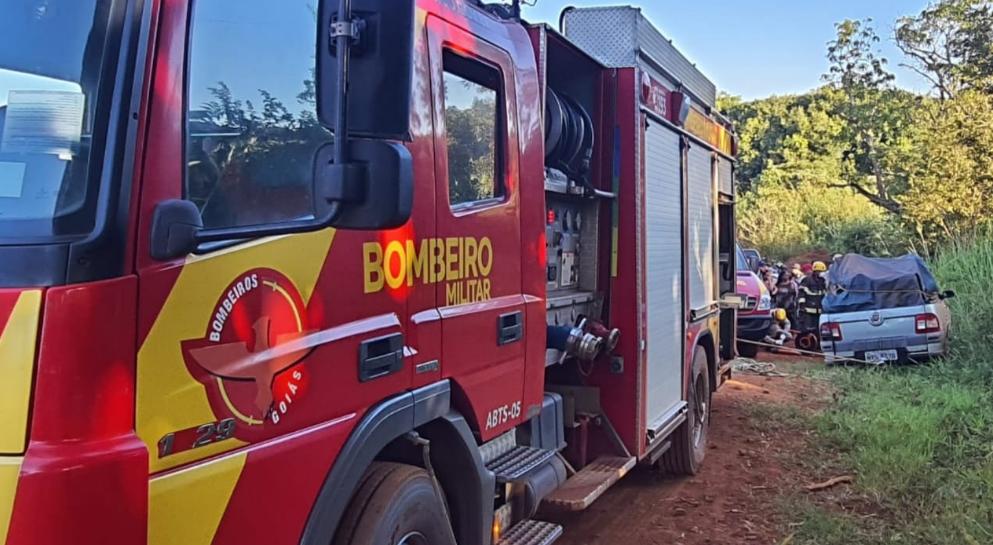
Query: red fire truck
<point>505,283</point>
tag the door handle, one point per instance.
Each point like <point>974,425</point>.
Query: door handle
<point>510,328</point>
<point>380,357</point>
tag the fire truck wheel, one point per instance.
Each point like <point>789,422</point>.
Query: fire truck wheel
<point>395,504</point>
<point>689,442</point>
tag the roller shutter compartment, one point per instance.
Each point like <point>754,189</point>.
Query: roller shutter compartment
<point>701,226</point>
<point>663,274</point>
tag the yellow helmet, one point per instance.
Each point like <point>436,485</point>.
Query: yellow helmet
<point>819,266</point>
<point>779,314</point>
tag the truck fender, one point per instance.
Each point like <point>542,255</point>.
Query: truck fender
<point>456,460</point>
<point>428,408</point>
<point>704,339</point>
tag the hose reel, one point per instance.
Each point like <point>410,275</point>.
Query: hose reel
<point>569,137</point>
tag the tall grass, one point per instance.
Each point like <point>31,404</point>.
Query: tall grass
<point>920,439</point>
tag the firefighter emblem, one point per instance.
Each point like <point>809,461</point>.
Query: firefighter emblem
<point>251,358</point>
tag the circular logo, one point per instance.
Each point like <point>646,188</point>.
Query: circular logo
<point>876,319</point>
<point>251,355</point>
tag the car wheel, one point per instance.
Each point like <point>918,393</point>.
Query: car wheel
<point>395,504</point>
<point>748,350</point>
<point>807,341</point>
<point>689,441</point>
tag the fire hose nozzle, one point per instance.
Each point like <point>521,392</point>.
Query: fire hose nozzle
<point>585,341</point>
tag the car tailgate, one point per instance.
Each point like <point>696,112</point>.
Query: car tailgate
<point>883,328</point>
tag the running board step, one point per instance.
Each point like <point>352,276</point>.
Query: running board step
<point>516,463</point>
<point>583,488</point>
<point>531,532</point>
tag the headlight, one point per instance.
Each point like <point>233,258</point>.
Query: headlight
<point>765,302</point>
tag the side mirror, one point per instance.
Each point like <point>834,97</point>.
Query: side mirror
<point>947,294</point>
<point>365,63</point>
<point>379,75</point>
<point>383,185</point>
<point>175,224</point>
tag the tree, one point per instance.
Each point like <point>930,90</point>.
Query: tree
<point>472,150</point>
<point>950,44</point>
<point>860,165</point>
<point>876,114</point>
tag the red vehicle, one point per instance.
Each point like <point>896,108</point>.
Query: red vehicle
<point>501,285</point>
<point>755,313</point>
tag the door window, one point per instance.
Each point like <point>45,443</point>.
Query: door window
<point>472,120</point>
<point>252,129</point>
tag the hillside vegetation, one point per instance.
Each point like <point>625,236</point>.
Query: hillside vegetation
<point>861,165</point>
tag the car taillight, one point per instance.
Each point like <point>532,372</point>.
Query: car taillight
<point>927,323</point>
<point>831,331</point>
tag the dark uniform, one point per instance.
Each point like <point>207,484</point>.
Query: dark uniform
<point>812,292</point>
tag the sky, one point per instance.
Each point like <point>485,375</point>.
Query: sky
<point>758,48</point>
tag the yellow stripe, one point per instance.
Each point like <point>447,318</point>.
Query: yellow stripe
<point>10,468</point>
<point>186,507</point>
<point>169,399</point>
<point>17,352</point>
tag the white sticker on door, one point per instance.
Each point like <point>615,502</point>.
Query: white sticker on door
<point>47,122</point>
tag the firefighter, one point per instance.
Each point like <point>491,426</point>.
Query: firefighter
<point>786,293</point>
<point>812,291</point>
<point>780,331</point>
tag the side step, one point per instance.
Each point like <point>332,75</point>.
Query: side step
<point>517,462</point>
<point>583,488</point>
<point>531,532</point>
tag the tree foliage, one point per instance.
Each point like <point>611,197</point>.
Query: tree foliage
<point>861,165</point>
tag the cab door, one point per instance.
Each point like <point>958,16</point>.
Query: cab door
<point>256,357</point>
<point>478,224</point>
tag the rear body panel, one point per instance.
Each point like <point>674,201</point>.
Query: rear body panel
<point>664,292</point>
<point>887,334</point>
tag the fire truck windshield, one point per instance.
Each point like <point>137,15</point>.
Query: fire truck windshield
<point>51,55</point>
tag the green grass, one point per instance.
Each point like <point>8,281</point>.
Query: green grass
<point>919,439</point>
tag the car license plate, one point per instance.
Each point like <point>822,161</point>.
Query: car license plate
<point>881,356</point>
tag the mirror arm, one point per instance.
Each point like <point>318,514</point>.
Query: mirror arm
<point>203,236</point>
<point>344,31</point>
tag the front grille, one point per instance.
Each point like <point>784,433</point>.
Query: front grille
<point>750,303</point>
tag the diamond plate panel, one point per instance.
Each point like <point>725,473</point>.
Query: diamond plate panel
<point>622,37</point>
<point>606,34</point>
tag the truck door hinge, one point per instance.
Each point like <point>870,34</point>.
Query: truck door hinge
<point>351,29</point>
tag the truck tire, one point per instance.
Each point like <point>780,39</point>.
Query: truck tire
<point>395,504</point>
<point>689,441</point>
<point>748,350</point>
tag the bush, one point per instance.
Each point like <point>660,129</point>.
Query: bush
<point>786,222</point>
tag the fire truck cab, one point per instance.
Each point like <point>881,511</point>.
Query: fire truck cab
<point>349,271</point>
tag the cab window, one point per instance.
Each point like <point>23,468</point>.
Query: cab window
<point>474,131</point>
<point>251,127</point>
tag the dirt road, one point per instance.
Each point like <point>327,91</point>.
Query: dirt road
<point>735,499</point>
